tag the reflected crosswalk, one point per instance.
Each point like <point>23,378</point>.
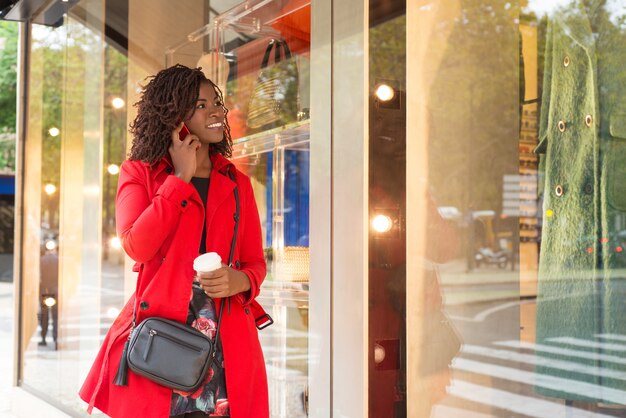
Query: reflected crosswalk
<point>546,381</point>
<point>514,362</point>
<point>612,337</point>
<point>543,361</point>
<point>588,344</point>
<point>562,351</point>
<point>524,405</point>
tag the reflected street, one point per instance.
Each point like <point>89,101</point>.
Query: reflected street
<point>495,375</point>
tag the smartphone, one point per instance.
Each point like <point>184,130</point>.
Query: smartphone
<point>183,132</point>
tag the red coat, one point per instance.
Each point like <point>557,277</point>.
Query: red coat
<point>159,221</point>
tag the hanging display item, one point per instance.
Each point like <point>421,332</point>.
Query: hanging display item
<point>274,100</point>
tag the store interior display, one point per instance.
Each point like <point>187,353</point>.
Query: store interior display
<point>258,54</point>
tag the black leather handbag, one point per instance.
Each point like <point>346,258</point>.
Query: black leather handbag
<point>169,353</point>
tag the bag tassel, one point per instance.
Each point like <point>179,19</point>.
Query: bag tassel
<point>121,377</point>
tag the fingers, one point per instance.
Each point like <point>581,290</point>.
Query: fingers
<point>217,290</point>
<point>215,283</point>
<point>218,283</point>
<point>222,271</point>
<point>190,140</point>
<point>176,133</point>
<point>180,137</point>
<point>191,144</point>
<point>194,141</point>
<point>217,294</point>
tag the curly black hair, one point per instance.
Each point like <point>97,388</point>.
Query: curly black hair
<point>168,98</point>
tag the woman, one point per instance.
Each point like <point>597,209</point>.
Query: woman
<point>175,200</point>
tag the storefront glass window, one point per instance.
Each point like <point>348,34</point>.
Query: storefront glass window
<point>496,276</point>
<point>64,310</point>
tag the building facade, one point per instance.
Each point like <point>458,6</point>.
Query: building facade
<point>438,184</point>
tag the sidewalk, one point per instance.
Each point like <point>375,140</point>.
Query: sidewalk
<point>6,348</point>
<point>484,284</point>
<point>455,273</point>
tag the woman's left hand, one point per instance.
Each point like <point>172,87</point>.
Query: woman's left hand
<point>223,282</point>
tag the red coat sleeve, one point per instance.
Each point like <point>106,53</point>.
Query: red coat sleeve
<point>251,248</point>
<point>144,222</point>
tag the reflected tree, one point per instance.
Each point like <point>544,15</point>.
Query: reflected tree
<point>474,106</point>
<point>8,88</point>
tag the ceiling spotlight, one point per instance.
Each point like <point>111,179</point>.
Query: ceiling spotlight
<point>51,245</point>
<point>385,92</point>
<point>50,188</point>
<point>113,169</point>
<point>382,223</point>
<point>112,312</point>
<point>118,102</point>
<point>115,243</point>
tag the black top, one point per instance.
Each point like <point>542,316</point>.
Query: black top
<point>212,397</point>
<point>202,186</point>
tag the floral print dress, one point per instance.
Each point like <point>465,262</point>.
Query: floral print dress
<point>210,397</point>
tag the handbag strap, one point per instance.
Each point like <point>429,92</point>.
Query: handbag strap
<point>277,45</point>
<point>230,258</point>
<point>286,51</point>
<point>266,56</point>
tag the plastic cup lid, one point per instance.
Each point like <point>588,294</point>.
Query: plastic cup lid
<point>207,262</point>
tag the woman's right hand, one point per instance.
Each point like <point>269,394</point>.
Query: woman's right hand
<point>183,154</point>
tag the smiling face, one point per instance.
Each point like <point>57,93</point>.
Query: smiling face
<point>207,120</point>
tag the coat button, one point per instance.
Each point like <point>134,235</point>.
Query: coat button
<point>589,120</point>
<point>588,188</point>
<point>169,170</point>
<point>566,61</point>
<point>558,190</point>
<point>247,311</point>
<point>561,126</point>
<point>144,305</point>
<point>183,203</point>
<point>237,264</point>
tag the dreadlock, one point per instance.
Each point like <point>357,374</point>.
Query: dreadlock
<point>168,98</point>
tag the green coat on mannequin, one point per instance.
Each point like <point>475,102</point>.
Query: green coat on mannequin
<point>581,301</point>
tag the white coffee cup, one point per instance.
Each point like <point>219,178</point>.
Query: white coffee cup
<point>207,262</point>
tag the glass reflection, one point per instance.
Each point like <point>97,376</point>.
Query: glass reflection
<point>471,139</point>
<point>581,286</point>
<point>524,127</point>
<point>61,274</point>
<point>48,312</point>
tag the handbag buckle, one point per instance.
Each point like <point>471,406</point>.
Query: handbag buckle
<point>263,321</point>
